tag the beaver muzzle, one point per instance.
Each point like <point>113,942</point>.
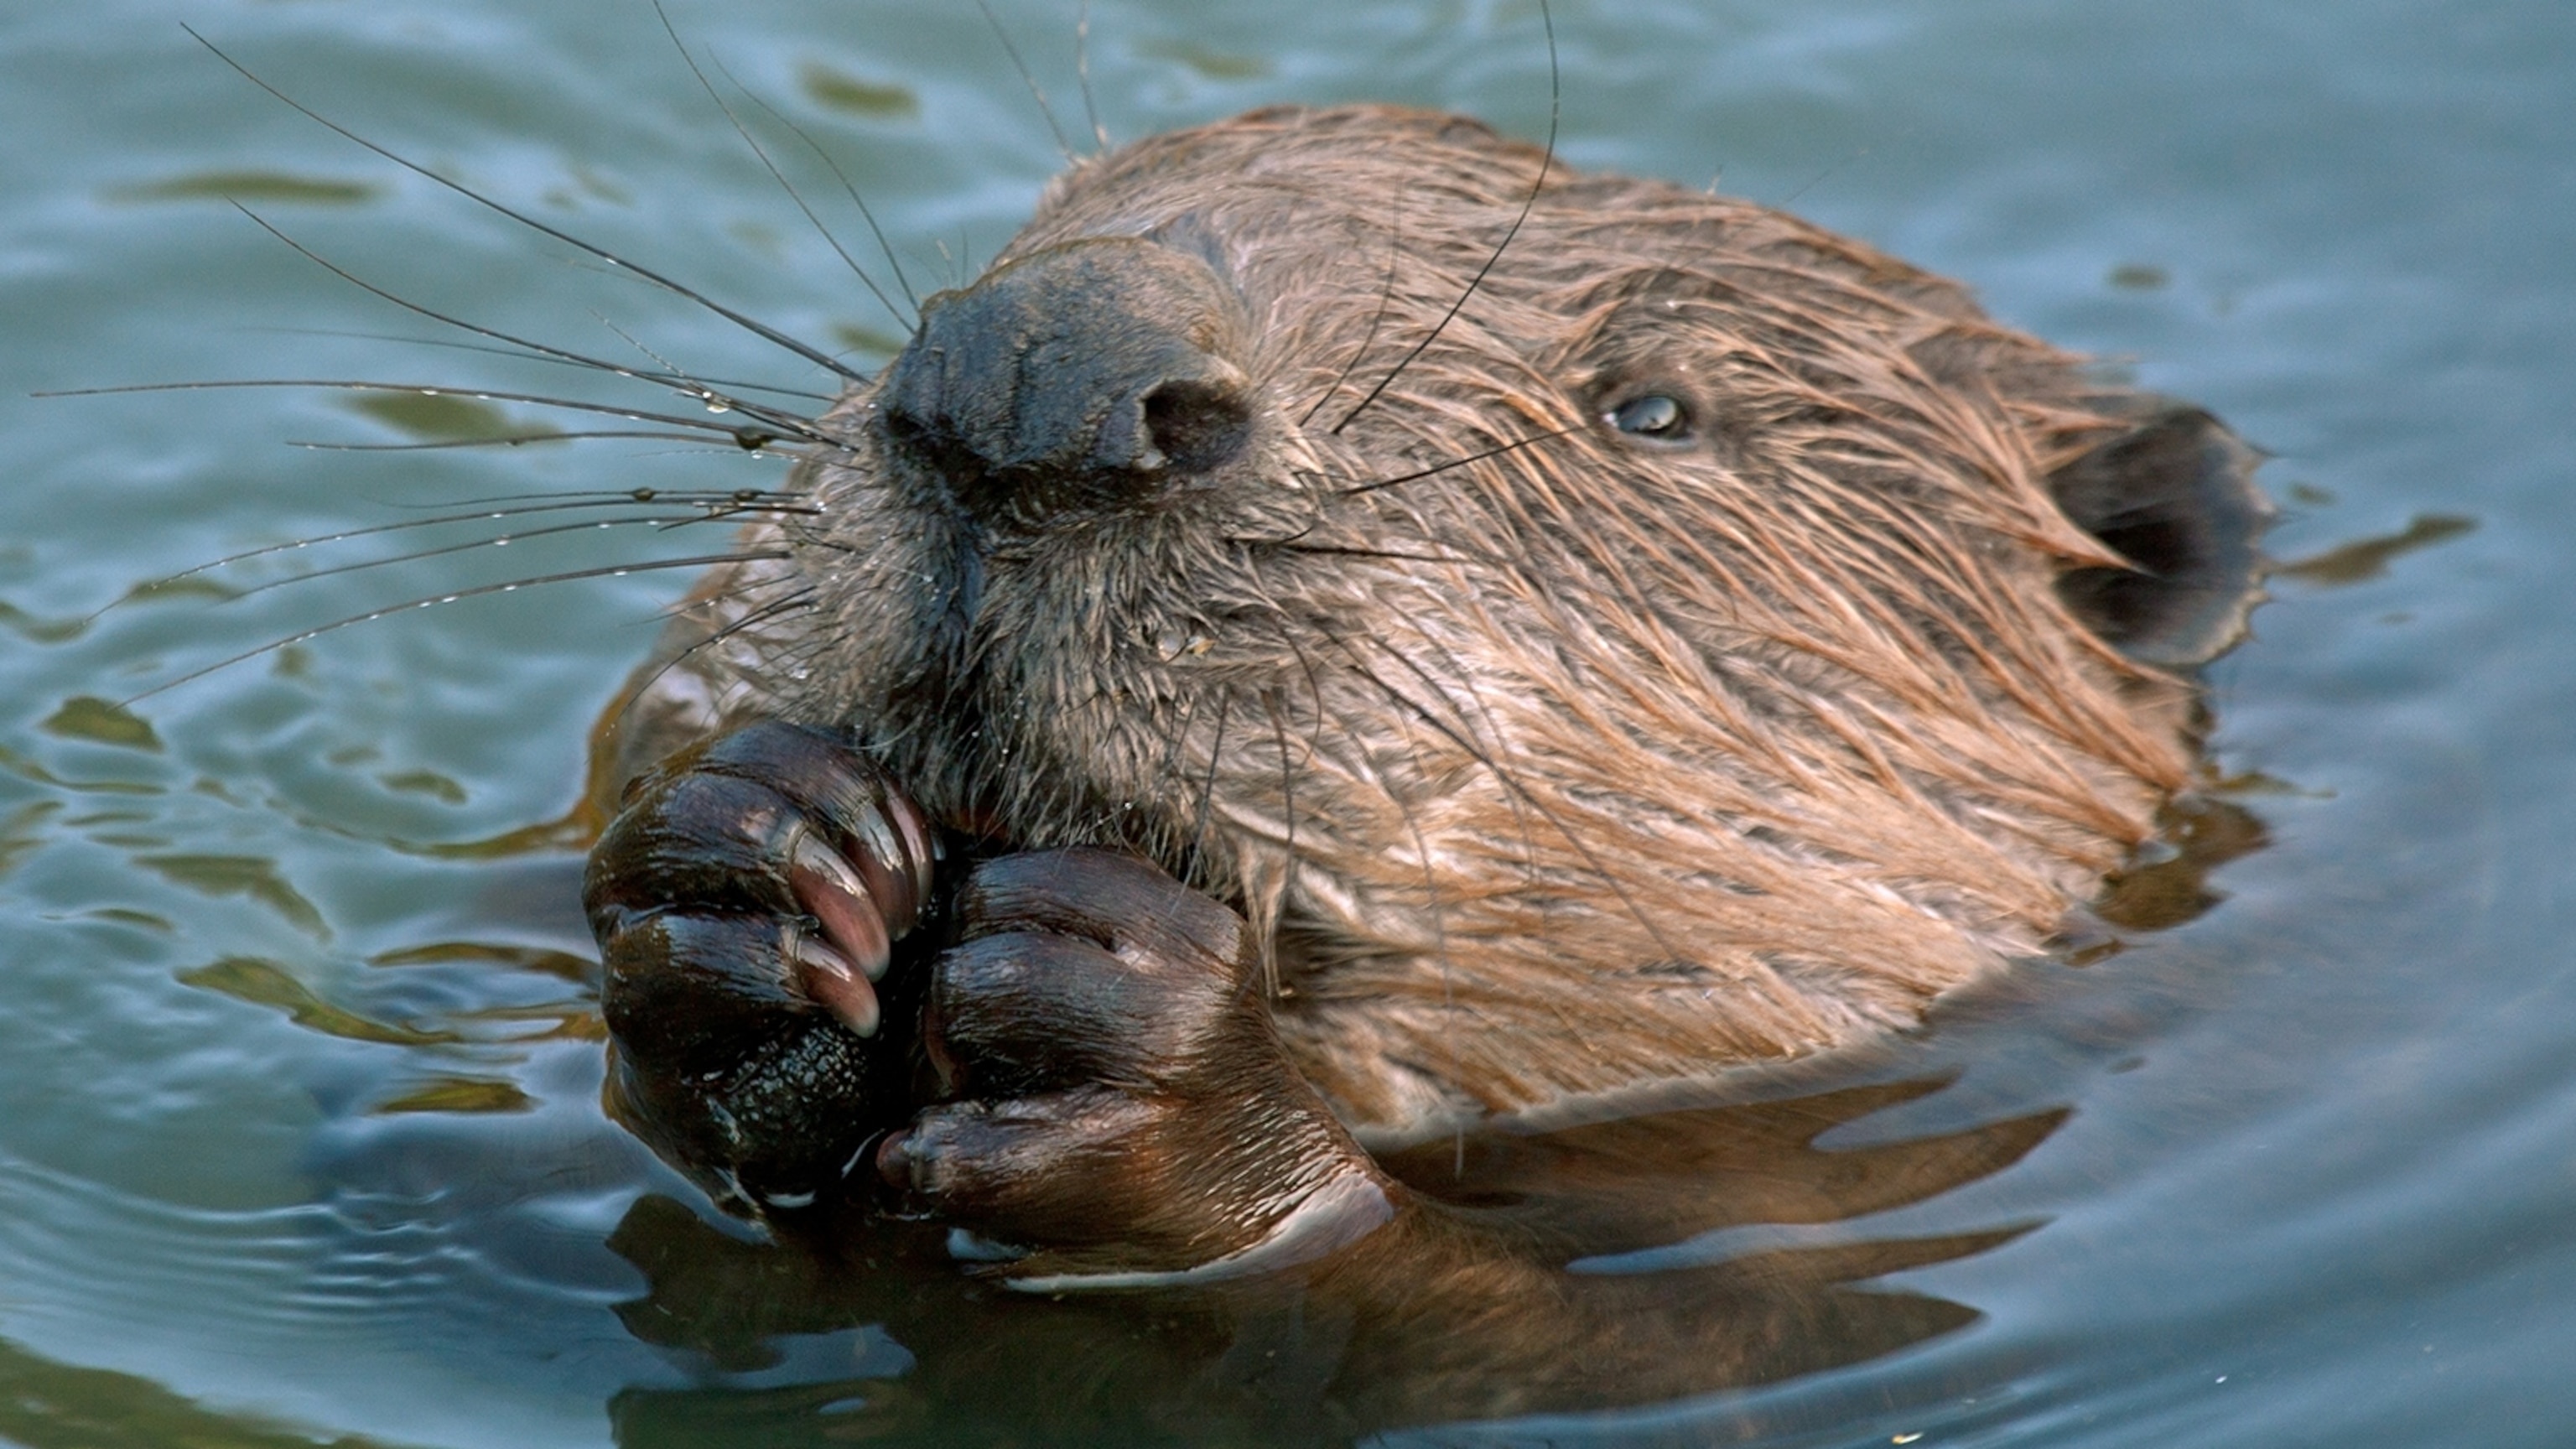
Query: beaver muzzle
<point>1092,376</point>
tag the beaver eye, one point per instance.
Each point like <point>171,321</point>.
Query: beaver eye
<point>1651,415</point>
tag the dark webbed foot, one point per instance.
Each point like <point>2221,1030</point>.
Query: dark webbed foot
<point>1115,1099</point>
<point>746,902</point>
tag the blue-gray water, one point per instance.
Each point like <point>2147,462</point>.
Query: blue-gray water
<point>298,1123</point>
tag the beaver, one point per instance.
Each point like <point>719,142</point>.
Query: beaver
<point>1349,629</point>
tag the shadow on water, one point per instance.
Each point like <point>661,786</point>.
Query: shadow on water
<point>1318,1358</point>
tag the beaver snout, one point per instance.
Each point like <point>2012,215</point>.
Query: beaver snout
<point>1093,375</point>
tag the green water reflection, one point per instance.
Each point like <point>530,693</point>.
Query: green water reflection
<point>47,1405</point>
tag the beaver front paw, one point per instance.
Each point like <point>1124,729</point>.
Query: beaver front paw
<point>747,902</point>
<point>1117,1109</point>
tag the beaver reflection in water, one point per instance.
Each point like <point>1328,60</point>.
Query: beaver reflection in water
<point>1294,720</point>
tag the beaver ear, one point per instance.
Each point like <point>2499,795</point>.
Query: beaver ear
<point>2175,496</point>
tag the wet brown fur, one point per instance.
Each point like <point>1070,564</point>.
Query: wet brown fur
<point>1587,763</point>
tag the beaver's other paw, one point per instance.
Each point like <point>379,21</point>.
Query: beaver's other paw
<point>1118,1110</point>
<point>747,901</point>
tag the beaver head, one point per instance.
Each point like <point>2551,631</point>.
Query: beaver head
<point>1676,637</point>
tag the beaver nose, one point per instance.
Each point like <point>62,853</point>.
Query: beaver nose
<point>1094,374</point>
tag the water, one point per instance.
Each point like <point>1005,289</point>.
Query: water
<point>298,1130</point>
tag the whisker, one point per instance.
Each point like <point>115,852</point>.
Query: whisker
<point>1082,74</point>
<point>1027,78</point>
<point>885,248</point>
<point>605,571</point>
<point>721,514</point>
<point>608,497</point>
<point>734,591</point>
<point>672,371</point>
<point>520,509</point>
<point>761,615</point>
<point>584,435</point>
<point>1207,789</point>
<point>1276,705</point>
<point>749,438</point>
<point>1384,553</point>
<point>1493,452</point>
<point>505,540</point>
<point>1287,785</point>
<point>683,384</point>
<point>1308,492</point>
<point>1385,302</point>
<point>1170,766</point>
<point>758,329</point>
<point>1547,158</point>
<point>729,383</point>
<point>768,165</point>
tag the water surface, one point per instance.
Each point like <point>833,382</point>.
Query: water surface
<point>298,1122</point>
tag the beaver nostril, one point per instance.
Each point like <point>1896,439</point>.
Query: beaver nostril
<point>1196,426</point>
<point>1083,377</point>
